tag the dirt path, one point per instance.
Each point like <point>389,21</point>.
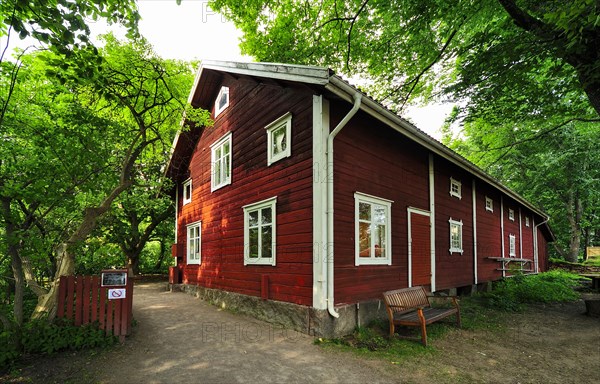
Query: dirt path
<point>179,338</point>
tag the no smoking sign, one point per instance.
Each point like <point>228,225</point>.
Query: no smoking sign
<point>116,293</point>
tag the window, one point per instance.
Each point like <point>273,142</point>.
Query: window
<point>372,230</point>
<point>456,236</point>
<point>221,162</point>
<point>489,204</point>
<point>455,188</point>
<point>279,138</point>
<point>511,246</point>
<point>187,191</point>
<point>193,243</point>
<point>222,101</point>
<point>527,221</point>
<point>259,232</point>
<point>511,214</point>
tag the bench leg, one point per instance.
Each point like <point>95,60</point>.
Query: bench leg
<point>458,319</point>
<point>423,327</point>
<point>391,328</point>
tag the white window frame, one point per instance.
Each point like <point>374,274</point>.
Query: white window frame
<point>285,120</point>
<point>458,185</point>
<point>223,91</point>
<point>512,245</point>
<point>511,214</point>
<point>194,258</point>
<point>187,196</point>
<point>489,204</point>
<point>268,203</point>
<point>527,221</point>
<point>225,178</point>
<point>372,259</point>
<point>456,248</point>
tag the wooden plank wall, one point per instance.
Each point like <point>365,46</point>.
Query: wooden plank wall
<point>82,300</point>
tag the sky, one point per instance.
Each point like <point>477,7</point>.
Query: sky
<point>192,31</point>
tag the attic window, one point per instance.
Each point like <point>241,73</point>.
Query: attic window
<point>527,221</point>
<point>187,191</point>
<point>222,101</point>
<point>511,214</point>
<point>455,188</point>
<point>279,139</point>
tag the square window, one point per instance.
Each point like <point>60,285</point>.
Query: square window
<point>489,204</point>
<point>221,162</point>
<point>193,243</point>
<point>373,242</point>
<point>456,236</point>
<point>527,221</point>
<point>222,101</point>
<point>187,191</point>
<point>511,245</point>
<point>511,214</point>
<point>455,188</point>
<point>260,232</point>
<point>279,139</point>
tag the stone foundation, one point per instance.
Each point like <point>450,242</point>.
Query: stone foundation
<point>314,322</point>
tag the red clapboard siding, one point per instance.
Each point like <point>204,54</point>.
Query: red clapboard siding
<point>373,159</point>
<point>488,234</point>
<point>252,107</point>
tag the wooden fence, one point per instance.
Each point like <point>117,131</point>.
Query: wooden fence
<point>83,300</point>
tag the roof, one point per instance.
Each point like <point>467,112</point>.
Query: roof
<point>210,73</point>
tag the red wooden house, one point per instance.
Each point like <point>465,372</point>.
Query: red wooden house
<point>307,199</point>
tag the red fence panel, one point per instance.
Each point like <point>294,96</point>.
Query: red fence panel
<point>83,300</point>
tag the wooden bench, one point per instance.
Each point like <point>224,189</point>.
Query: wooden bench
<point>411,307</point>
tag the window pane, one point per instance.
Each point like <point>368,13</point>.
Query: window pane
<point>217,172</point>
<point>227,168</point>
<point>253,219</point>
<point>267,242</point>
<point>279,142</point>
<point>226,148</point>
<point>364,211</point>
<point>266,215</point>
<point>379,213</point>
<point>364,239</point>
<point>253,242</point>
<point>380,241</point>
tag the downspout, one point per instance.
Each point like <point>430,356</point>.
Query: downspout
<point>536,256</point>
<point>330,188</point>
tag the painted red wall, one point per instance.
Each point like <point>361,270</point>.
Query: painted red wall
<point>452,270</point>
<point>253,106</point>
<point>373,159</point>
<point>488,234</point>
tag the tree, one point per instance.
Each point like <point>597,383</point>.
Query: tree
<point>412,48</point>
<point>146,96</point>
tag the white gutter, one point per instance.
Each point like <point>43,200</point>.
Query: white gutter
<point>330,188</point>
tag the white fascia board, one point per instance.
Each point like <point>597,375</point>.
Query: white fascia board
<point>373,108</point>
<point>299,73</point>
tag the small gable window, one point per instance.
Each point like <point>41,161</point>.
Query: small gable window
<point>489,204</point>
<point>222,101</point>
<point>511,214</point>
<point>455,188</point>
<point>187,191</point>
<point>279,139</point>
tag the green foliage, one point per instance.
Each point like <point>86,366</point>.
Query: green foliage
<point>512,294</point>
<point>41,337</point>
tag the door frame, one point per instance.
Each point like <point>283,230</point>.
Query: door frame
<point>410,211</point>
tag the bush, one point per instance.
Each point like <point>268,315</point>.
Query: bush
<point>513,293</point>
<point>42,337</point>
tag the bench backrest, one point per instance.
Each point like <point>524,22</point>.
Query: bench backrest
<point>402,300</point>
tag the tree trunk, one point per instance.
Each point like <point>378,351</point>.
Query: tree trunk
<point>133,260</point>
<point>574,213</point>
<point>161,256</point>
<point>12,249</point>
